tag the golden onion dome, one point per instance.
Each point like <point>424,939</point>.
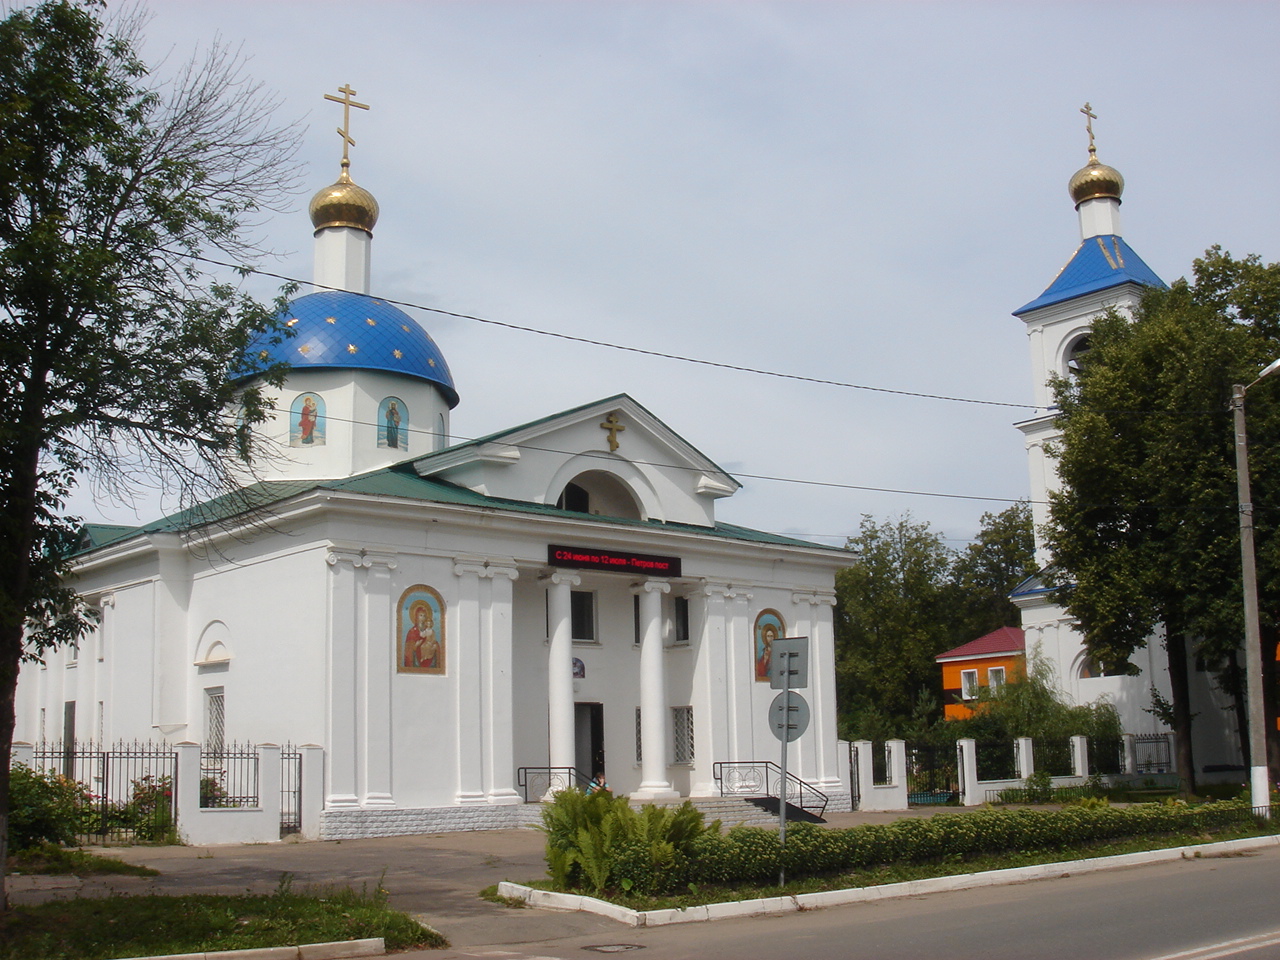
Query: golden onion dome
<point>1095,179</point>
<point>344,204</point>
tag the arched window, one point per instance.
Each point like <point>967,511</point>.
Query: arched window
<point>1076,355</point>
<point>599,493</point>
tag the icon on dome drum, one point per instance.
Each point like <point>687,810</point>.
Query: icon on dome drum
<point>306,421</point>
<point>393,424</point>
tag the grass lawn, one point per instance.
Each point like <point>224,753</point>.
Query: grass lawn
<point>899,872</point>
<point>111,927</point>
<point>49,858</point>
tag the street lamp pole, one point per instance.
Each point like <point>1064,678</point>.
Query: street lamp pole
<point>1259,781</point>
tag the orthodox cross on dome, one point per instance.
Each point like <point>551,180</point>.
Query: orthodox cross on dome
<point>344,131</point>
<point>614,427</point>
<point>1090,116</point>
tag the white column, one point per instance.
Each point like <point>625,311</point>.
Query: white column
<point>713,669</point>
<point>824,764</point>
<point>499,692</point>
<point>742,677</point>
<point>343,720</point>
<point>171,657</point>
<point>467,669</point>
<point>654,784</point>
<point>376,648</point>
<point>560,670</point>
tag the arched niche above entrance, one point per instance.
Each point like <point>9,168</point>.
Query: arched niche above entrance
<point>618,490</point>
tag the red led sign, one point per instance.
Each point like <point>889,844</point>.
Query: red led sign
<point>614,561</point>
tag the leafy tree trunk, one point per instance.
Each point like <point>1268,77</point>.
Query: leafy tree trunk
<point>1176,645</point>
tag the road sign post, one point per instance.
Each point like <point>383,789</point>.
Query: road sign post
<point>788,718</point>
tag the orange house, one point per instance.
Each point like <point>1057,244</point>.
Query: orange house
<point>986,662</point>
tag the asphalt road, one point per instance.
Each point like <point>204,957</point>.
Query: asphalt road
<point>1201,909</point>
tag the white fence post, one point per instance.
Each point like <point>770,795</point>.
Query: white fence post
<point>1026,757</point>
<point>269,784</point>
<point>186,792</point>
<point>312,775</point>
<point>1080,756</point>
<point>22,753</point>
<point>1130,755</point>
<point>967,768</point>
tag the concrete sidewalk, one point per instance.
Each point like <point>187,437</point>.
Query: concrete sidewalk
<point>434,877</point>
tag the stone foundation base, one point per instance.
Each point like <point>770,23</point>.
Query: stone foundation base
<point>357,823</point>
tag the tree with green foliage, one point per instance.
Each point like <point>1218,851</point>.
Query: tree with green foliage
<point>119,354</point>
<point>890,618</point>
<point>1145,530</point>
<point>986,571</point>
<point>907,599</point>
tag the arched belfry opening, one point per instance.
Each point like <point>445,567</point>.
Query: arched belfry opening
<point>599,493</point>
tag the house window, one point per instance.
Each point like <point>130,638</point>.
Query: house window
<point>680,614</point>
<point>635,617</point>
<point>995,679</point>
<point>682,734</point>
<point>969,684</point>
<point>582,615</point>
<point>215,720</point>
<point>639,738</point>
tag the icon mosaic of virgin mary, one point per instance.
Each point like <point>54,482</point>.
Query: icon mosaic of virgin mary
<point>306,421</point>
<point>420,646</point>
<point>769,627</point>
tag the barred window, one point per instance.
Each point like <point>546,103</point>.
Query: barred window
<point>639,739</point>
<point>215,730</point>
<point>682,733</point>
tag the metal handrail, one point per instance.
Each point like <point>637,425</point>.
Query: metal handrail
<point>757,778</point>
<point>543,781</point>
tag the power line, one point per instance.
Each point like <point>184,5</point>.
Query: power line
<point>242,268</point>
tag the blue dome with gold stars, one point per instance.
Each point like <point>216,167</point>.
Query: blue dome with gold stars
<point>352,331</point>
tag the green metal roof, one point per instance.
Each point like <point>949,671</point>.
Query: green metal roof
<point>403,482</point>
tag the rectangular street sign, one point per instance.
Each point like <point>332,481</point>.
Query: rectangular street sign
<point>789,653</point>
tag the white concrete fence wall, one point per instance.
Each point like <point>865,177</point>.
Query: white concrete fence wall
<point>884,796</point>
<point>259,823</point>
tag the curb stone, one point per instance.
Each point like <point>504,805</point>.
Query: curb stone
<point>336,950</point>
<point>832,898</point>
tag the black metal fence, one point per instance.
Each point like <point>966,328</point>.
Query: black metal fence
<point>1053,756</point>
<point>997,760</point>
<point>229,777</point>
<point>127,789</point>
<point>932,776</point>
<point>880,775</point>
<point>290,790</point>
<point>1106,756</point>
<point>1152,753</point>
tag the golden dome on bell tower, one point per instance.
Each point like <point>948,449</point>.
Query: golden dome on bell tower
<point>1095,179</point>
<point>344,204</point>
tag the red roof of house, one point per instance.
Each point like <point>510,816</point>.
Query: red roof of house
<point>1004,640</point>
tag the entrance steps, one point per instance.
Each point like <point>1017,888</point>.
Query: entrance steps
<point>730,811</point>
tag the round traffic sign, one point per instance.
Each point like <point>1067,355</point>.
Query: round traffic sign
<point>789,724</point>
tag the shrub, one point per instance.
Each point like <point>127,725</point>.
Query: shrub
<point>598,841</point>
<point>45,807</point>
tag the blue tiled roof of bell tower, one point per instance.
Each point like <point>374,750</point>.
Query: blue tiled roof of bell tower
<point>352,331</point>
<point>1099,263</point>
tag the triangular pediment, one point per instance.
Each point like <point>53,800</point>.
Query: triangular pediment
<point>615,446</point>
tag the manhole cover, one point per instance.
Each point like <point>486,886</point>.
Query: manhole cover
<point>614,947</point>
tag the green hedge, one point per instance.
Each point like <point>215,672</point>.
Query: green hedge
<point>648,860</point>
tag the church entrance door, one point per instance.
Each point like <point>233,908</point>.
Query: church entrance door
<point>588,725</point>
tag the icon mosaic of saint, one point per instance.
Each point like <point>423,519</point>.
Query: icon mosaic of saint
<point>421,632</point>
<point>769,627</point>
<point>306,421</point>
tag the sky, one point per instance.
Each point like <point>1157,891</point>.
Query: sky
<point>848,191</point>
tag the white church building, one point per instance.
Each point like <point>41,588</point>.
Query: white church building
<point>1103,274</point>
<point>445,620</point>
